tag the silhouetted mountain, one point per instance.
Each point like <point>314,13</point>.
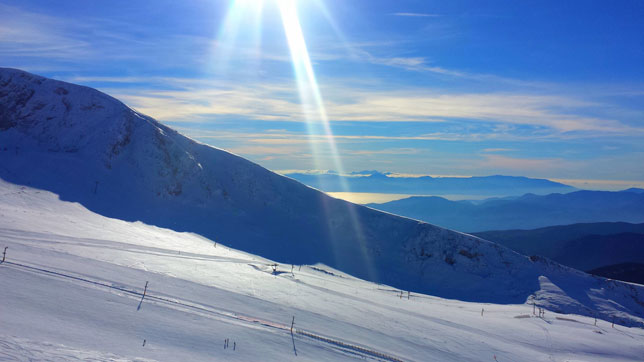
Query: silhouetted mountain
<point>628,272</point>
<point>635,190</point>
<point>551,241</point>
<point>594,251</point>
<point>525,212</point>
<point>580,246</point>
<point>377,182</point>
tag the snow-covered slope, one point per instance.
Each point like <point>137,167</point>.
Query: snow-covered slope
<point>72,283</point>
<point>90,148</point>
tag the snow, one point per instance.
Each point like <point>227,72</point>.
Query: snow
<point>97,199</point>
<point>199,295</point>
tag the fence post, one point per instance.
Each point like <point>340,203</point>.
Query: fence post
<point>4,254</point>
<point>292,324</point>
<point>143,297</point>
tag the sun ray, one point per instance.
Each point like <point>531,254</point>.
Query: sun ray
<point>315,112</point>
<point>245,18</point>
<point>234,37</point>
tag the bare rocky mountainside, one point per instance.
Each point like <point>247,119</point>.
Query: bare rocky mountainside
<point>90,148</point>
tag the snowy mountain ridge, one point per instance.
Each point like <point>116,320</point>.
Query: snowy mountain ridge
<point>90,148</point>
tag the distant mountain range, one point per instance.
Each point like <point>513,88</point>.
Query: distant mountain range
<point>526,212</point>
<point>584,246</point>
<point>628,272</point>
<point>635,190</point>
<point>377,182</point>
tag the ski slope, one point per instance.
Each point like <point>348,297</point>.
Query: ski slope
<point>90,148</point>
<point>71,288</point>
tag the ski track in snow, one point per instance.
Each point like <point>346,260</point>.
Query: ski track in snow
<point>21,349</point>
<point>206,311</point>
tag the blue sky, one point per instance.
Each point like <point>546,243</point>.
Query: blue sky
<point>546,89</point>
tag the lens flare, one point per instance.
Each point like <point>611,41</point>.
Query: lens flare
<point>311,100</point>
<point>241,30</point>
<point>315,112</point>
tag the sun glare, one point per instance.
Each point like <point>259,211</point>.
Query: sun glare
<point>243,24</point>
<point>311,100</point>
<point>248,14</point>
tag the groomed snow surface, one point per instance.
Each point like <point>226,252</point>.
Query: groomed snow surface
<point>72,283</point>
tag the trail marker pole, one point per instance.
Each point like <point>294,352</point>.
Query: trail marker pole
<point>4,254</point>
<point>292,324</point>
<point>145,290</point>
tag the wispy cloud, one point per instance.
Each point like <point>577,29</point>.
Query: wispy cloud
<point>30,34</point>
<point>192,100</point>
<point>494,150</point>
<point>417,64</point>
<point>505,163</point>
<point>267,150</point>
<point>559,113</point>
<point>417,15</point>
<point>591,184</point>
<point>292,138</point>
<point>388,151</point>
